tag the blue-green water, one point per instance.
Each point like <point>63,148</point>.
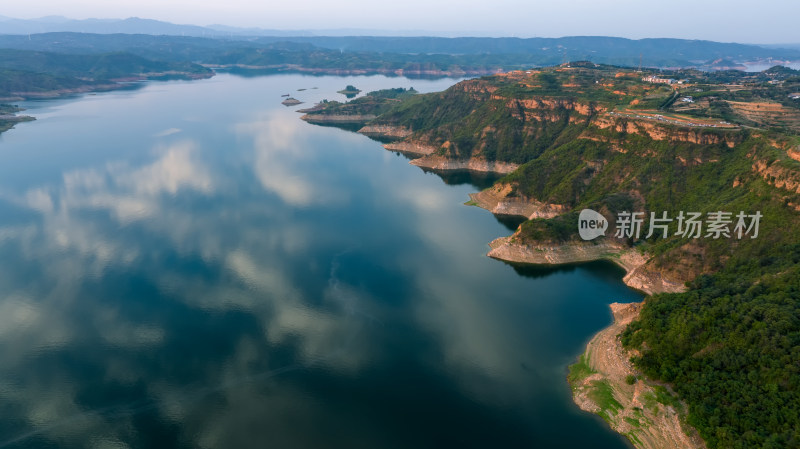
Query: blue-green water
<point>188,264</point>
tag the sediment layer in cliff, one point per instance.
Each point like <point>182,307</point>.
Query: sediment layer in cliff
<point>499,200</point>
<point>385,131</point>
<point>436,162</point>
<point>672,133</point>
<point>337,118</point>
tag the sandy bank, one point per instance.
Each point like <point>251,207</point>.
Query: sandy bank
<point>599,386</point>
<point>435,162</point>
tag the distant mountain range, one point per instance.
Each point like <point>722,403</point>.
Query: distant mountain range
<point>256,47</point>
<point>133,25</point>
<point>136,25</point>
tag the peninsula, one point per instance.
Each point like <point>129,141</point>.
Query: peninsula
<point>9,117</point>
<point>712,360</point>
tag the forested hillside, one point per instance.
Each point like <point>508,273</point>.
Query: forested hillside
<point>606,138</point>
<point>26,74</point>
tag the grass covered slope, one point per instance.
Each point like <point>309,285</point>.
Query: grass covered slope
<point>603,138</point>
<point>485,119</point>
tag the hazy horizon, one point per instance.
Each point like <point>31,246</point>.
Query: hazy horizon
<point>714,20</point>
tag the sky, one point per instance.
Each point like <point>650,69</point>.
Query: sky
<point>747,21</point>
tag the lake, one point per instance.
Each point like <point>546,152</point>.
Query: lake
<point>189,264</point>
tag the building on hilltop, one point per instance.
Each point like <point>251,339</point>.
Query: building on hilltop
<point>657,80</point>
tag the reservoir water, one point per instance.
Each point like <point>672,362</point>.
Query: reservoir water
<point>190,265</point>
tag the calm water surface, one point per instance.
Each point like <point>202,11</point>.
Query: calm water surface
<point>189,265</point>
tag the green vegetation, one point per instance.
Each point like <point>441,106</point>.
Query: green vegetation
<point>28,74</point>
<point>370,105</point>
<point>729,345</point>
<point>630,379</point>
<point>392,53</point>
<point>8,117</point>
<point>487,124</point>
<point>579,370</point>
<point>664,397</point>
<point>730,348</point>
<point>633,421</point>
<point>350,90</point>
<point>14,83</point>
<point>650,402</point>
<point>33,74</point>
<point>603,395</point>
<point>99,67</point>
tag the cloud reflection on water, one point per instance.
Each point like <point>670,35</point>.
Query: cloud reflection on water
<point>281,150</point>
<point>74,247</point>
<point>203,288</point>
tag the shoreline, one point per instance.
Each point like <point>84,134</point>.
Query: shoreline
<point>426,158</point>
<point>647,414</point>
<point>604,382</point>
<point>637,276</point>
<point>435,162</point>
<point>639,416</point>
<point>294,68</point>
<point>324,118</point>
<point>112,85</point>
<point>497,200</point>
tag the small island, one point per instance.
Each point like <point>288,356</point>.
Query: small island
<point>350,91</point>
<point>291,102</point>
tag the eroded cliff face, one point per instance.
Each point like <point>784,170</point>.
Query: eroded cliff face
<point>500,200</point>
<point>474,120</point>
<point>476,86</point>
<point>436,162</point>
<point>778,175</point>
<point>549,109</point>
<point>411,147</point>
<point>337,118</point>
<point>672,133</point>
<point>794,153</point>
<point>385,131</point>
